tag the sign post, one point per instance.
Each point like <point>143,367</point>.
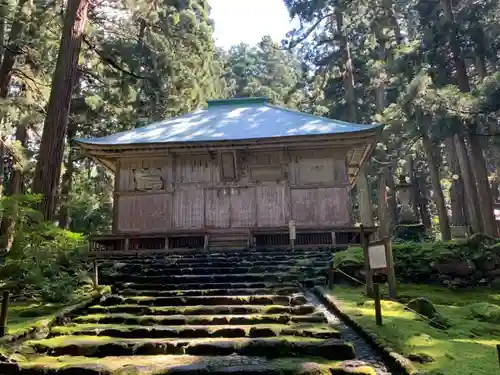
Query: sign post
<point>377,260</point>
<point>293,233</point>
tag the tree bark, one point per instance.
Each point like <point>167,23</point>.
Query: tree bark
<point>444,223</point>
<point>483,187</point>
<point>2,164</point>
<point>459,216</point>
<point>3,13</point>
<point>67,180</point>
<point>351,114</point>
<point>13,48</point>
<point>476,156</point>
<point>15,185</point>
<point>48,168</point>
<point>423,201</point>
<point>469,185</point>
<point>392,205</point>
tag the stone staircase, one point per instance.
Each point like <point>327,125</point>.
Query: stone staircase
<point>202,313</point>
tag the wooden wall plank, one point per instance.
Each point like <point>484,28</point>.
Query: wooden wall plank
<point>243,208</point>
<point>217,207</point>
<point>272,209</point>
<point>304,206</point>
<point>144,213</point>
<point>188,208</point>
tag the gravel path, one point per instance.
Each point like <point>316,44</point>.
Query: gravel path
<point>364,351</point>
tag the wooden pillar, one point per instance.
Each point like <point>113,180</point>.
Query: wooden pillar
<point>116,197</point>
<point>368,273</point>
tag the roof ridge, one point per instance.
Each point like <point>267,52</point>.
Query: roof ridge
<point>316,116</point>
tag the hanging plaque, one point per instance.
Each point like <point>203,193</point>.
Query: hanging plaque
<point>148,179</point>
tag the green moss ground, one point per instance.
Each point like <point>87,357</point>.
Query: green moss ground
<point>24,316</point>
<point>468,347</point>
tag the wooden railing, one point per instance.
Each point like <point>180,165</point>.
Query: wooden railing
<point>199,240</point>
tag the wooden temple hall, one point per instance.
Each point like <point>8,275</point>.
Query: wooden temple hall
<point>241,173</point>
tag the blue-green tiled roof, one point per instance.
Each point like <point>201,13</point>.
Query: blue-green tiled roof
<point>232,119</point>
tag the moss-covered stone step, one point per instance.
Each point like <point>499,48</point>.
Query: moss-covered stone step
<point>224,262</point>
<point>214,256</point>
<point>137,266</point>
<point>191,286</point>
<point>228,270</point>
<point>113,300</point>
<point>187,365</point>
<point>202,279</point>
<point>203,310</point>
<point>91,346</point>
<point>179,320</point>
<point>318,331</point>
<point>210,292</point>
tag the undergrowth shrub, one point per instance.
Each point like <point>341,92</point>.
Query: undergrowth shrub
<point>413,262</point>
<point>44,261</point>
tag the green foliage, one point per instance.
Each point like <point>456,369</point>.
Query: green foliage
<point>44,262</point>
<point>414,262</point>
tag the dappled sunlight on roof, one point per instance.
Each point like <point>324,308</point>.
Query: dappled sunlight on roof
<point>231,120</point>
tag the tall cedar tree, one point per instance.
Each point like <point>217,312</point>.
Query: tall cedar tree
<point>48,168</point>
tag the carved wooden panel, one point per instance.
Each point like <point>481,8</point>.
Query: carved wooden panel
<point>243,208</point>
<point>144,213</point>
<point>188,208</point>
<point>272,207</point>
<point>217,207</point>
<point>159,168</point>
<point>148,179</point>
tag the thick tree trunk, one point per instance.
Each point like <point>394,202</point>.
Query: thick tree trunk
<point>459,217</point>
<point>67,181</point>
<point>483,187</point>
<point>392,205</point>
<point>48,168</point>
<point>15,186</point>
<point>13,48</point>
<point>469,185</point>
<point>2,164</point>
<point>351,115</point>
<point>414,186</point>
<point>3,14</point>
<point>476,156</point>
<point>444,223</point>
<point>423,202</point>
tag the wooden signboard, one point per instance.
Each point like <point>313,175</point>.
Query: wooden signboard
<point>148,179</point>
<point>377,255</point>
